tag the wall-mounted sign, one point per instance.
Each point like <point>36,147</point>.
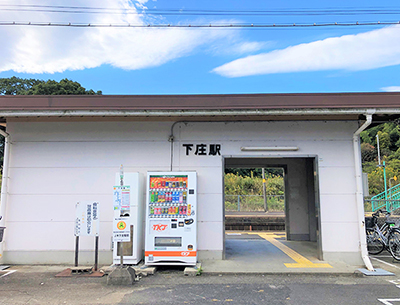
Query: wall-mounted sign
<point>202,149</point>
<point>87,222</point>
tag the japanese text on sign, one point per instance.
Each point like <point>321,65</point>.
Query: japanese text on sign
<point>121,196</point>
<point>121,230</point>
<point>202,149</point>
<point>87,220</point>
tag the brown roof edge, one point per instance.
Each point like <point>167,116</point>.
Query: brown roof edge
<point>201,102</point>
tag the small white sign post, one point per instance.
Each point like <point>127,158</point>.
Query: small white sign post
<point>122,204</point>
<point>87,223</point>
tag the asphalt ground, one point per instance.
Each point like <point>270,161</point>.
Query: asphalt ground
<point>386,261</point>
<point>169,285</point>
<point>38,285</point>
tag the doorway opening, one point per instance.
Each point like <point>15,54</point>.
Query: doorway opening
<point>289,210</point>
<point>256,193</point>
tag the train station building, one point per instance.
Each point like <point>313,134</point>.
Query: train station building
<point>60,150</point>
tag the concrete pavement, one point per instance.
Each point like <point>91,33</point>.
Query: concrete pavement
<point>259,269</point>
<point>38,285</point>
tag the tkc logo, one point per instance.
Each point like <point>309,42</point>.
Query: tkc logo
<point>185,253</point>
<point>159,227</point>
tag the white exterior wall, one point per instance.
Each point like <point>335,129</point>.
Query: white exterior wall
<point>55,164</point>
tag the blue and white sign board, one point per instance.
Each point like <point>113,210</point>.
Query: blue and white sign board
<point>87,222</point>
<point>122,197</point>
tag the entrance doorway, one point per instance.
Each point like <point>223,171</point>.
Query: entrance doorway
<point>254,190</point>
<point>298,221</point>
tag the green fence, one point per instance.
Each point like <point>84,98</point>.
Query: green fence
<point>372,205</point>
<point>254,203</point>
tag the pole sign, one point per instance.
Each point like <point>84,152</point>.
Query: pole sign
<point>121,229</point>
<point>121,197</point>
<point>87,221</point>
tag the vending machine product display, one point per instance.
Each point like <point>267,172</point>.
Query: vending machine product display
<point>171,218</point>
<point>128,210</point>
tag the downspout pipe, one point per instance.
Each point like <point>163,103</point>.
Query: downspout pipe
<point>359,193</point>
<point>4,184</point>
<point>171,139</point>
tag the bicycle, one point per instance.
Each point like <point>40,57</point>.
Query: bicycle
<point>385,237</point>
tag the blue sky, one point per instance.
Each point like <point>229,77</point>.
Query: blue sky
<point>205,61</point>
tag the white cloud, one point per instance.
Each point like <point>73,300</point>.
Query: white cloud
<point>236,45</point>
<point>391,89</point>
<point>246,47</point>
<point>369,50</point>
<point>32,49</point>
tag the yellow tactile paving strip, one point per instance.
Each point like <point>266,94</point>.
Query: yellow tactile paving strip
<point>301,261</point>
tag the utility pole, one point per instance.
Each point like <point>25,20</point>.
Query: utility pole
<point>264,190</point>
<point>384,167</point>
<point>379,151</point>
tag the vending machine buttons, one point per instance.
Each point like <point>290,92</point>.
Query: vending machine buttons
<point>173,226</point>
<point>181,224</point>
<point>189,221</point>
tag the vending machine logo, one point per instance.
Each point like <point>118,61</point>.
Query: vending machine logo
<point>159,227</point>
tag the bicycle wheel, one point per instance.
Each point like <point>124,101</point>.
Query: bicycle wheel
<point>374,243</point>
<point>394,244</point>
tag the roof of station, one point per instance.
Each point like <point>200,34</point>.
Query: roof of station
<point>383,105</point>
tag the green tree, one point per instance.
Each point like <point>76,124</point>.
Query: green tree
<point>64,87</point>
<point>394,135</point>
<point>254,172</point>
<point>384,140</point>
<point>365,138</point>
<point>17,86</point>
<point>368,152</point>
<point>21,86</point>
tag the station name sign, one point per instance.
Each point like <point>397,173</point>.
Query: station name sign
<point>202,149</point>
